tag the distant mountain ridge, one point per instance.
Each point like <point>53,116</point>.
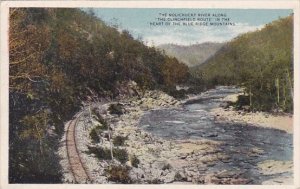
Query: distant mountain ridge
<point>191,55</point>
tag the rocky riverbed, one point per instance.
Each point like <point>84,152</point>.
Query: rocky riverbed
<point>171,151</point>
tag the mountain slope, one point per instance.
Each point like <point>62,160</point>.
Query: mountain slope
<point>191,55</point>
<point>60,58</point>
<point>260,61</point>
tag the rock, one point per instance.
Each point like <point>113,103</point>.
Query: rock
<point>239,181</point>
<point>159,165</point>
<point>202,169</point>
<point>272,167</point>
<point>136,174</point>
<point>226,174</point>
<point>212,135</point>
<point>183,156</point>
<point>211,179</point>
<point>180,176</point>
<point>170,177</point>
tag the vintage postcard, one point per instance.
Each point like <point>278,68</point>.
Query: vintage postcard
<point>172,94</point>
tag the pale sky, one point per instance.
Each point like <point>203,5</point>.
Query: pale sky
<point>137,22</point>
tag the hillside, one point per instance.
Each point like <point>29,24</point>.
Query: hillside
<point>260,61</point>
<point>59,59</point>
<point>191,55</point>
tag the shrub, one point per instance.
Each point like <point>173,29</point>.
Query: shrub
<point>101,153</point>
<point>120,154</point>
<point>103,125</point>
<point>179,177</point>
<point>119,174</point>
<point>95,113</point>
<point>116,109</point>
<point>104,153</point>
<point>99,118</point>
<point>94,135</point>
<point>134,161</point>
<point>97,130</point>
<point>119,140</point>
<point>178,94</point>
<point>155,181</point>
<point>166,166</point>
<point>243,100</point>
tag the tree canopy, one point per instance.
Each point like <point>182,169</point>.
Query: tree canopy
<point>261,61</point>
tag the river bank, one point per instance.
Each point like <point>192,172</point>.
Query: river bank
<point>260,119</point>
<point>152,159</point>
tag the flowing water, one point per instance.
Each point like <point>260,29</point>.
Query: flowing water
<point>194,121</point>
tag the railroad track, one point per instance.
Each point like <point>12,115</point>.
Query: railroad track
<point>78,169</point>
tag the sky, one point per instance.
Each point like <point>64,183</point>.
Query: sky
<point>137,22</point>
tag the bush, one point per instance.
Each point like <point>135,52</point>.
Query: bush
<point>101,153</point>
<point>195,89</point>
<point>119,174</point>
<point>104,153</point>
<point>116,109</point>
<point>94,135</point>
<point>97,130</point>
<point>243,100</point>
<point>134,161</point>
<point>119,140</point>
<point>155,181</point>
<point>120,154</point>
<point>166,166</point>
<point>95,113</point>
<point>179,177</point>
<point>178,94</point>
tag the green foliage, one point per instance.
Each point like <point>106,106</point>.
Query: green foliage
<point>179,177</point>
<point>116,109</point>
<point>119,140</point>
<point>261,62</point>
<point>119,174</point>
<point>120,154</point>
<point>166,166</point>
<point>179,94</point>
<point>243,100</point>
<point>57,57</point>
<point>134,161</point>
<point>101,153</point>
<point>104,153</point>
<point>94,135</point>
<point>155,181</point>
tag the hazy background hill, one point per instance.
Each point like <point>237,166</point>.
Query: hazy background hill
<point>191,55</point>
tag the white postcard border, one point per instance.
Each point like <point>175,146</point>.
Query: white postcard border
<point>258,4</point>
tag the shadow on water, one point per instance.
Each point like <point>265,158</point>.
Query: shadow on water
<point>240,142</point>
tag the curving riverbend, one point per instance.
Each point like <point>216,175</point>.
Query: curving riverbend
<point>253,152</point>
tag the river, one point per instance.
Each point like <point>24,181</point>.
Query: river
<point>195,121</point>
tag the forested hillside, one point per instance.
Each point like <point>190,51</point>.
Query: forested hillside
<point>59,57</point>
<point>192,55</point>
<point>260,61</point>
